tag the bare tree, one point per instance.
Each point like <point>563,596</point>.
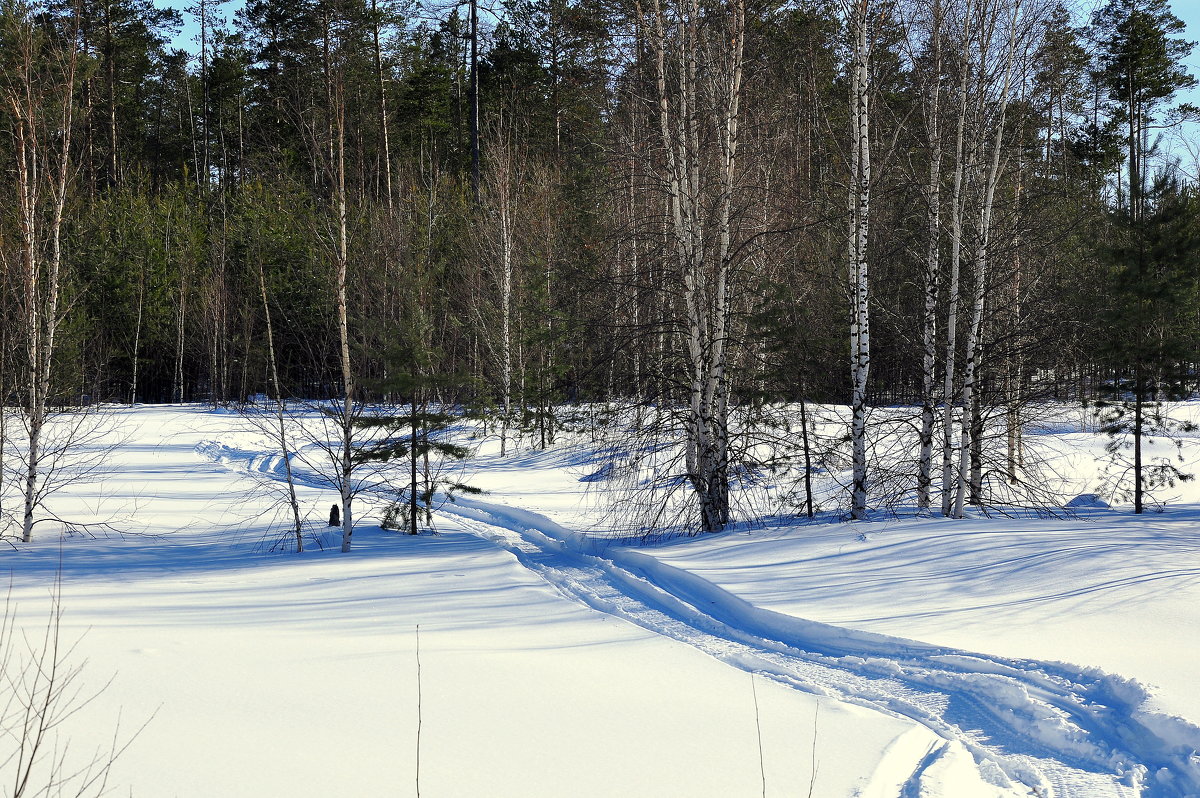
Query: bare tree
<point>991,179</point>
<point>501,197</point>
<point>963,155</point>
<point>329,146</point>
<point>41,687</point>
<point>37,90</point>
<point>932,277</point>
<point>698,55</point>
<point>279,430</point>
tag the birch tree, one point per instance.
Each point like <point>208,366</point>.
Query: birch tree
<point>341,259</point>
<point>963,154</point>
<point>37,89</point>
<point>328,135</point>
<point>501,197</point>
<point>698,55</point>
<point>1011,36</point>
<point>932,110</point>
<point>859,207</point>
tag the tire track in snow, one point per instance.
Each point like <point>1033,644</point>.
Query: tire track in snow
<point>1034,728</point>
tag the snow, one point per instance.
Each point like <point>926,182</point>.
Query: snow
<point>911,657</point>
<point>1019,588</point>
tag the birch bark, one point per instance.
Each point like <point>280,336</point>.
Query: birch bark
<point>500,201</point>
<point>506,293</point>
<point>43,119</point>
<point>381,86</point>
<point>980,268</point>
<point>708,72</point>
<point>859,201</point>
<point>929,320</point>
<point>961,158</point>
<point>341,262</point>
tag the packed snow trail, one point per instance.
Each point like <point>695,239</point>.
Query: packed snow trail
<point>1037,728</point>
<point>1055,729</point>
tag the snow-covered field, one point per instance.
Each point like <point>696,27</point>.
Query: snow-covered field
<point>776,659</point>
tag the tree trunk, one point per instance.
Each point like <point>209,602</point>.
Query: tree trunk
<point>114,177</point>
<point>177,382</point>
<point>975,334</point>
<point>859,207</point>
<point>280,418</point>
<point>412,462</point>
<point>1139,418</point>
<point>41,146</point>
<point>473,23</point>
<point>703,276</point>
<point>506,292</point>
<point>383,112</point>
<point>961,158</point>
<point>808,489</point>
<point>137,334</point>
<point>929,321</point>
<point>341,258</point>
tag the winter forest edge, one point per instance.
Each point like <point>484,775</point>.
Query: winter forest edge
<point>667,301</point>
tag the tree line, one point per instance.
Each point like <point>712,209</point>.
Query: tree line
<point>707,207</point>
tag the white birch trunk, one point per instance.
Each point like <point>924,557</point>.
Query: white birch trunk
<point>341,262</point>
<point>704,71</point>
<point>506,292</point>
<point>980,268</point>
<point>929,321</point>
<point>40,250</point>
<point>860,206</point>
<point>28,161</point>
<point>381,80</point>
<point>1014,376</point>
<point>954,293</point>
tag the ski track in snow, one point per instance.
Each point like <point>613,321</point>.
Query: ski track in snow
<point>1032,728</point>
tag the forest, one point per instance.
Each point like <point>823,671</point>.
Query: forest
<point>714,215</point>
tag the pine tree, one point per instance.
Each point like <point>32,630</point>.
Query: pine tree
<point>1151,333</point>
<point>1141,65</point>
<point>420,434</point>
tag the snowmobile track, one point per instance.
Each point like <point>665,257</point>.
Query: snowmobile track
<point>1036,728</point>
<point>1040,729</point>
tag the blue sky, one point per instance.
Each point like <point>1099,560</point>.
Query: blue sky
<point>1189,12</point>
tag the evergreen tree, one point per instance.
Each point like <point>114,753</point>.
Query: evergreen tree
<point>1150,333</point>
<point>1060,85</point>
<point>1141,65</point>
<point>421,434</point>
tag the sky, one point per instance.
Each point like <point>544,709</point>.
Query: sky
<point>1189,12</point>
<point>1185,143</point>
